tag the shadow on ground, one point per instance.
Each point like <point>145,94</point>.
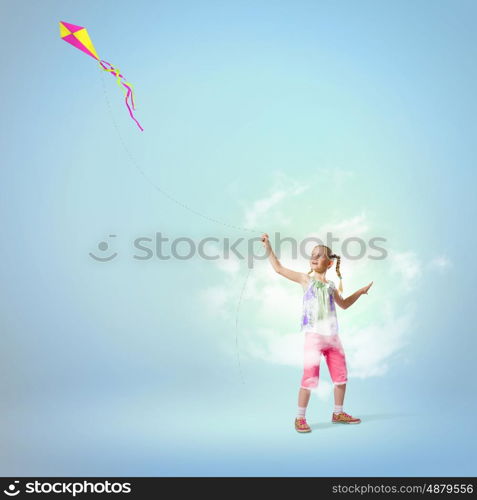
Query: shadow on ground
<point>364,420</point>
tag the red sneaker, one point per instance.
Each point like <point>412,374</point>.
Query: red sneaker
<point>344,418</point>
<point>301,425</point>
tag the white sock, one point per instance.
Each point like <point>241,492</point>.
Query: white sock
<point>301,412</point>
<point>338,409</point>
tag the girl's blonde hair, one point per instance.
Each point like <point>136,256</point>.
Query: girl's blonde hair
<point>332,255</point>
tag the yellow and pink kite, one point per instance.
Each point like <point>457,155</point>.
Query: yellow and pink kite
<point>79,38</point>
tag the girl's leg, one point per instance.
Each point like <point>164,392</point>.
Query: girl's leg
<point>300,420</point>
<point>340,390</point>
<point>303,397</point>
<point>336,360</point>
<point>311,367</point>
<point>311,371</point>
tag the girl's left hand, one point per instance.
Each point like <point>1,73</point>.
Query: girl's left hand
<point>365,289</point>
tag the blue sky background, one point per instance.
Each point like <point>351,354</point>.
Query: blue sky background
<point>294,115</point>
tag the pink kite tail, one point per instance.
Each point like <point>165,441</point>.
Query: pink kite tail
<point>129,94</point>
<point>129,108</point>
<point>132,98</point>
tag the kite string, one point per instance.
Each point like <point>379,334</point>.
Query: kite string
<point>237,313</point>
<point>162,191</point>
<point>190,209</point>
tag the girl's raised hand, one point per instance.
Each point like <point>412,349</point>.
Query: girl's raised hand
<point>265,240</point>
<point>365,289</point>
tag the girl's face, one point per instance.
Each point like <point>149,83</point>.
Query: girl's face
<point>319,261</point>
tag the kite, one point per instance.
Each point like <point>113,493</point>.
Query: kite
<point>79,38</point>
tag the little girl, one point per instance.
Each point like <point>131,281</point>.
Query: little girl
<point>320,327</point>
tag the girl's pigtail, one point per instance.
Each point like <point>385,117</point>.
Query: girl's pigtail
<point>338,272</point>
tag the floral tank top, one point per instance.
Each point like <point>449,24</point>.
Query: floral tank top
<point>319,311</point>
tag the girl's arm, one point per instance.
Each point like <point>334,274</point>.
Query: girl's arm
<point>345,303</point>
<point>301,278</point>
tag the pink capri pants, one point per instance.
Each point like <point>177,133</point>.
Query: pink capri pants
<point>330,346</point>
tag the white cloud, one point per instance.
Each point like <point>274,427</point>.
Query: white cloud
<point>338,176</point>
<point>354,226</point>
<point>324,389</point>
<point>284,349</point>
<point>408,266</point>
<point>283,188</point>
<point>261,207</point>
<point>441,263</point>
<point>217,298</point>
<point>373,331</point>
<point>370,348</point>
<point>230,266</point>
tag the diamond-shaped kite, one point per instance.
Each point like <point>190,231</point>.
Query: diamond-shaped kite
<point>79,38</point>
